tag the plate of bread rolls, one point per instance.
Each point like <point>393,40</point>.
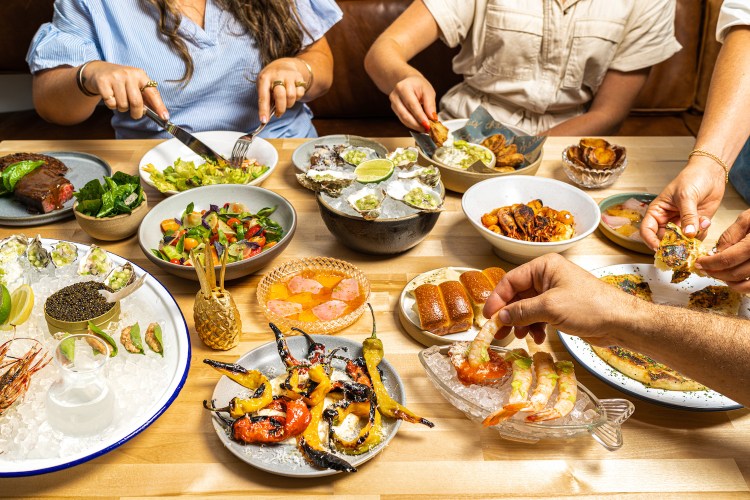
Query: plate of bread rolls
<point>445,305</point>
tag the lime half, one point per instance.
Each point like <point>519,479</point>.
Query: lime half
<point>4,304</point>
<point>376,170</point>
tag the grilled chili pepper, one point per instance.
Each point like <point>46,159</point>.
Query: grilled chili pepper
<point>309,444</point>
<point>316,352</point>
<point>318,375</point>
<point>238,407</point>
<point>372,350</point>
<point>357,371</point>
<point>251,379</point>
<point>369,435</point>
<point>283,349</point>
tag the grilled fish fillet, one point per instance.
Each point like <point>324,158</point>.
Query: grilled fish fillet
<point>645,370</point>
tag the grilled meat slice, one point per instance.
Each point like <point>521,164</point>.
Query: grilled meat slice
<point>45,189</point>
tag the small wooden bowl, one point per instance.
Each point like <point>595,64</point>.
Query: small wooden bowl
<point>114,228</point>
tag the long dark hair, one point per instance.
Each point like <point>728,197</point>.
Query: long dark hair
<point>275,25</point>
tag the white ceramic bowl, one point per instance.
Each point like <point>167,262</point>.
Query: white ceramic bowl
<point>165,154</point>
<point>501,191</point>
<point>253,197</point>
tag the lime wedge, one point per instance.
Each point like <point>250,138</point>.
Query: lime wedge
<point>376,170</point>
<point>22,302</point>
<point>4,304</point>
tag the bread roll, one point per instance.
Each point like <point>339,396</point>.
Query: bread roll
<point>494,274</point>
<point>460,312</point>
<point>430,306</point>
<point>478,288</point>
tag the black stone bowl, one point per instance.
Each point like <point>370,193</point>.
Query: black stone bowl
<point>379,236</point>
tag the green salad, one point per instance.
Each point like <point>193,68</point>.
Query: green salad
<point>184,175</point>
<point>116,195</point>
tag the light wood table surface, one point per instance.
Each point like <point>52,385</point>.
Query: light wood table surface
<point>667,452</point>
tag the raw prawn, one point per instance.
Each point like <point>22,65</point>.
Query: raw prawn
<point>566,396</point>
<point>519,394</point>
<point>15,380</point>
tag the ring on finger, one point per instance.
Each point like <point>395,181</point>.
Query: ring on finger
<point>301,84</point>
<point>276,83</point>
<point>149,84</point>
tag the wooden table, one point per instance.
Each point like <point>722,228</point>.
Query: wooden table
<point>667,452</point>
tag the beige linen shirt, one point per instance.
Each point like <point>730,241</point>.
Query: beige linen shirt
<point>536,63</point>
<point>733,13</point>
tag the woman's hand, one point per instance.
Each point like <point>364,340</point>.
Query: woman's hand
<point>282,82</point>
<point>123,88</point>
<point>731,263</point>
<point>690,200</point>
<point>547,291</point>
<point>413,101</point>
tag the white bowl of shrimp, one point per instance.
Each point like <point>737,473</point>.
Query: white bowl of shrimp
<point>557,215</point>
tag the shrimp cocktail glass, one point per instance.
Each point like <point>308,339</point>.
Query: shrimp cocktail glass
<point>80,402</point>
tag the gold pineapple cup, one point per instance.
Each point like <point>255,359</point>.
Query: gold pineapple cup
<point>216,317</point>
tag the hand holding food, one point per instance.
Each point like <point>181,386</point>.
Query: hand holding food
<point>122,88</point>
<point>413,101</point>
<point>546,291</point>
<point>731,263</point>
<point>678,253</point>
<point>690,200</point>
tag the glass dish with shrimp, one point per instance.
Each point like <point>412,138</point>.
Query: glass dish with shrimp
<point>524,398</point>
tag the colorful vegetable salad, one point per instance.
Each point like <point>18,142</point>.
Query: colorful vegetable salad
<point>232,228</point>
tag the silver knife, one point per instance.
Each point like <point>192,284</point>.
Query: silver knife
<point>186,138</point>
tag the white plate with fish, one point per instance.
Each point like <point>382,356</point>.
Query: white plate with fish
<point>664,292</point>
<point>168,152</point>
<point>82,167</point>
<point>409,318</point>
<point>30,446</point>
<point>284,458</point>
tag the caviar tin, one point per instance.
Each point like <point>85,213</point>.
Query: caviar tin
<point>56,325</point>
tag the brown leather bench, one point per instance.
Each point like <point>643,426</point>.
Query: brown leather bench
<point>670,104</point>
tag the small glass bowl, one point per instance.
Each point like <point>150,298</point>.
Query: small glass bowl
<point>592,177</point>
<point>288,269</point>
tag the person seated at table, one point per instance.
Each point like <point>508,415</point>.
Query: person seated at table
<point>556,68</point>
<point>709,348</point>
<point>218,64</point>
<point>693,197</point>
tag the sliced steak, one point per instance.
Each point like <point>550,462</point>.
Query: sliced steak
<point>44,189</point>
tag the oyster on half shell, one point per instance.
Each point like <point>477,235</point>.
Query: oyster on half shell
<point>64,253</point>
<point>416,195</point>
<point>330,182</point>
<point>367,202</point>
<point>404,157</point>
<point>120,277</point>
<point>354,155</point>
<point>12,247</point>
<point>96,262</point>
<point>427,175</point>
<point>37,255</point>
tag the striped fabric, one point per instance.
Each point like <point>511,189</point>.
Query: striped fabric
<point>221,94</point>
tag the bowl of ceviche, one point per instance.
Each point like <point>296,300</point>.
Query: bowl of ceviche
<point>171,167</point>
<point>252,224</point>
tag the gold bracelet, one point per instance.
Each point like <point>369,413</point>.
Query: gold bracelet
<point>309,70</point>
<point>700,152</point>
<point>79,81</point>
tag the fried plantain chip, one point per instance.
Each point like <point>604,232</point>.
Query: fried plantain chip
<point>438,133</point>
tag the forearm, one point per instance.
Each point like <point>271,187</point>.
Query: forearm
<point>709,348</point>
<point>726,123</point>
<point>58,99</point>
<point>386,63</point>
<point>320,59</point>
<point>587,124</point>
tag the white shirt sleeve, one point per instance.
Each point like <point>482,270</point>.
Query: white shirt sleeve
<point>733,13</point>
<point>649,37</point>
<point>453,17</point>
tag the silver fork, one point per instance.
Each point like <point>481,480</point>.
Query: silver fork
<point>243,143</point>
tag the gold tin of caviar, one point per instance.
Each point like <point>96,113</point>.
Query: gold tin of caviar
<point>56,325</point>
